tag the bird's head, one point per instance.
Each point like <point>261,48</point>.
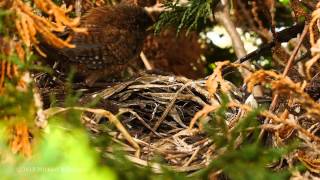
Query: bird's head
<point>137,17</point>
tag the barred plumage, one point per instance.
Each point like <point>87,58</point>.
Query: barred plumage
<point>115,37</point>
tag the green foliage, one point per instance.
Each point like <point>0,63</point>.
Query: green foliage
<point>5,24</point>
<point>126,169</point>
<point>60,154</point>
<point>241,154</point>
<point>249,162</point>
<point>186,16</point>
<point>18,104</point>
<point>285,2</point>
<point>65,150</point>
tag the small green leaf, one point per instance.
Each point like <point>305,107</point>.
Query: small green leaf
<point>285,2</point>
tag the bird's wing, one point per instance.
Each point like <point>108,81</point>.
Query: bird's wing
<point>103,47</point>
<point>123,44</point>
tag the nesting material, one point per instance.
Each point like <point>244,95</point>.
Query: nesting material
<point>156,110</point>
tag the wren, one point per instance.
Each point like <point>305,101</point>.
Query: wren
<point>114,37</point>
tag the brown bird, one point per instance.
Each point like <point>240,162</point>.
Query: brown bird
<point>115,37</point>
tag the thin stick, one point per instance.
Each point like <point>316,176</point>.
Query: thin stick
<point>124,110</point>
<point>289,63</point>
<point>169,107</point>
<point>78,6</point>
<point>192,157</point>
<point>145,61</point>
<point>112,118</point>
<point>285,72</point>
<point>223,17</point>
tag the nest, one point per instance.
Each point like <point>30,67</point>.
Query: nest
<point>156,110</point>
<point>155,115</point>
